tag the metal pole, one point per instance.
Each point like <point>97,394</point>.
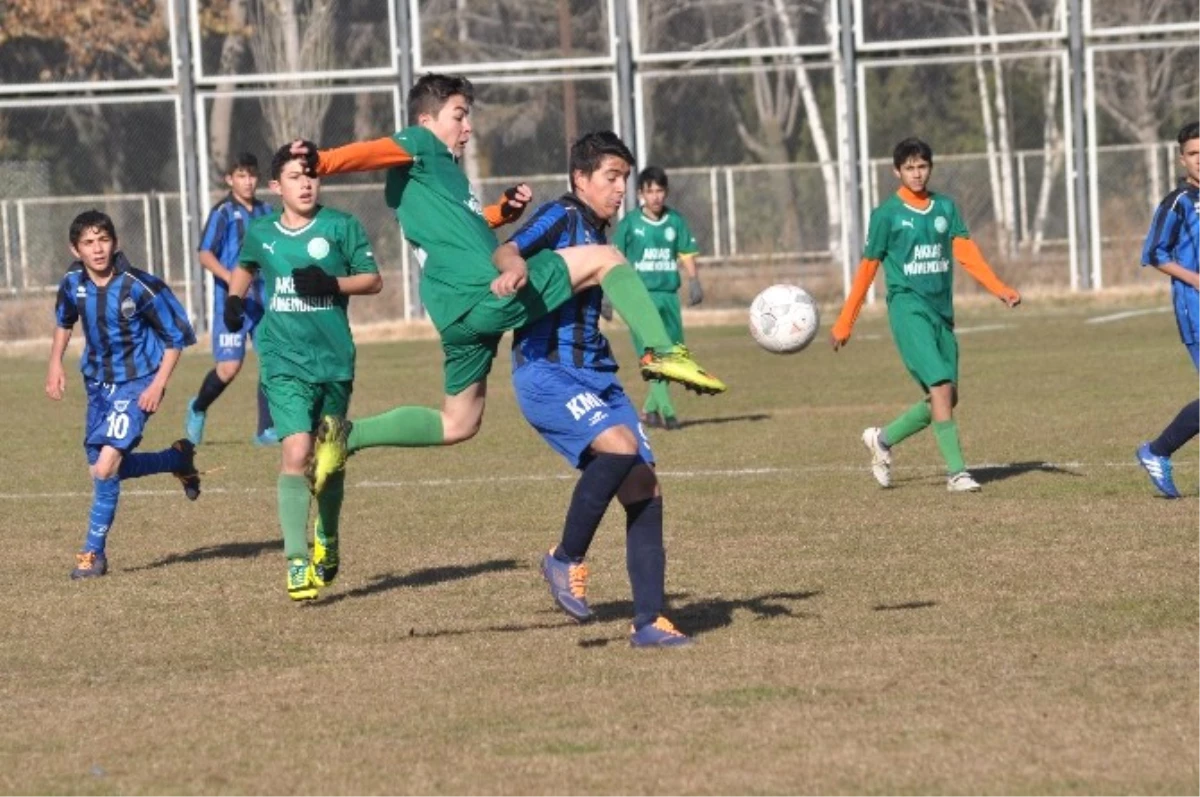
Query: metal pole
<point>405,43</point>
<point>851,208</point>
<point>1079,131</point>
<point>625,87</point>
<point>189,203</point>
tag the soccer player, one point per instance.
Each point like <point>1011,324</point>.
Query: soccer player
<point>134,330</point>
<point>472,306</point>
<point>1173,247</point>
<point>566,384</point>
<point>219,247</point>
<point>311,259</point>
<point>917,234</point>
<point>658,241</point>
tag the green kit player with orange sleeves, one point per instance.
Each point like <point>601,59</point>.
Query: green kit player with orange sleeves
<point>311,259</point>
<point>471,301</point>
<point>657,241</point>
<point>917,234</point>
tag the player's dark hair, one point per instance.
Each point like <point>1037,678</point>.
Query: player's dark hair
<point>432,91</point>
<point>911,148</point>
<point>590,150</point>
<point>1188,132</point>
<point>652,175</point>
<point>243,160</point>
<point>282,157</point>
<point>92,219</point>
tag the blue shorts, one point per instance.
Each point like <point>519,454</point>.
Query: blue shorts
<point>113,416</point>
<point>569,407</point>
<point>231,346</point>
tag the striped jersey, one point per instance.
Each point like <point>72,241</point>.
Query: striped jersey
<point>570,334</point>
<point>1174,237</point>
<point>225,229</point>
<point>126,324</point>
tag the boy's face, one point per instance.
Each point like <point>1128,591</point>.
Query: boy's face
<point>95,248</point>
<point>604,189</point>
<point>297,190</point>
<point>914,173</point>
<point>1189,159</point>
<point>451,124</point>
<point>653,197</point>
<point>242,183</point>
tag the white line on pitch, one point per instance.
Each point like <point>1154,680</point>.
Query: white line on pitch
<point>983,328</point>
<point>1104,319</point>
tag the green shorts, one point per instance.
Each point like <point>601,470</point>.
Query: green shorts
<point>469,344</point>
<point>297,405</point>
<point>926,343</point>
<point>669,311</point>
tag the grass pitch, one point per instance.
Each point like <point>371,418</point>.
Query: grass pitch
<point>1040,637</point>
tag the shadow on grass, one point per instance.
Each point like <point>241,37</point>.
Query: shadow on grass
<point>425,577</point>
<point>757,416</point>
<point>228,550</point>
<point>895,607</point>
<point>997,473</point>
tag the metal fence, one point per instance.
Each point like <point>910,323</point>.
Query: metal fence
<point>1051,121</point>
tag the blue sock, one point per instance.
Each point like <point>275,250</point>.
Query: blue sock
<point>594,491</point>
<point>105,494</point>
<point>134,466</point>
<point>264,411</point>
<point>1185,426</point>
<point>646,559</point>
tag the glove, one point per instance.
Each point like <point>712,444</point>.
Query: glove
<point>511,208</point>
<point>695,292</point>
<point>606,309</point>
<point>235,313</point>
<point>311,158</point>
<point>313,281</point>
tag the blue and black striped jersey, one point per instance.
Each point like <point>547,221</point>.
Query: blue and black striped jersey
<point>571,334</point>
<point>225,229</point>
<point>126,324</point>
<point>1174,237</point>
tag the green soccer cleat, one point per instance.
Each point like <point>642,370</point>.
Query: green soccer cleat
<point>676,365</point>
<point>325,556</point>
<point>329,452</point>
<point>301,583</point>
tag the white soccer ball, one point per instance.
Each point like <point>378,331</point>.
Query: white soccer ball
<point>784,319</point>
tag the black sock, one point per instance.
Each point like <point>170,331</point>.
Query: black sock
<point>264,411</point>
<point>210,389</point>
<point>594,491</point>
<point>646,559</point>
<point>1185,426</point>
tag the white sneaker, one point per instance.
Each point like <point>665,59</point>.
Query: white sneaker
<point>881,458</point>
<point>962,483</point>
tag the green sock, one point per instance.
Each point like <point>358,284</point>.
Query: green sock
<point>662,399</point>
<point>402,427</point>
<point>911,421</point>
<point>625,289</point>
<point>329,503</point>
<point>946,433</point>
<point>293,515</point>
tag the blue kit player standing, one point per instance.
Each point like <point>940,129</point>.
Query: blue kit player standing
<point>134,331</point>
<point>1173,247</point>
<point>565,380</point>
<point>219,247</point>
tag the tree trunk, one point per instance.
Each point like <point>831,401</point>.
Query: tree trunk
<point>989,128</point>
<point>1004,143</point>
<point>1052,155</point>
<point>220,120</point>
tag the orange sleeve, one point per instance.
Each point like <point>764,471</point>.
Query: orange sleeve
<point>854,302</point>
<point>967,252</point>
<point>363,156</point>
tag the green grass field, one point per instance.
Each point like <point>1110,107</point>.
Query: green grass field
<point>1039,637</point>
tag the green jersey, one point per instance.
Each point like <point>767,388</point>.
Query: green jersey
<point>443,220</point>
<point>916,249</point>
<point>307,337</point>
<point>653,247</point>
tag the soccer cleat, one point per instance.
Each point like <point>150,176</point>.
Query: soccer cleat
<point>881,457</point>
<point>193,424</point>
<point>568,586</point>
<point>962,482</point>
<point>187,475</point>
<point>651,420</point>
<point>301,583</point>
<point>676,365</point>
<point>1159,470</point>
<point>89,564</point>
<point>325,556</point>
<point>659,634</point>
<point>671,423</point>
<point>329,452</point>
<point>267,438</point>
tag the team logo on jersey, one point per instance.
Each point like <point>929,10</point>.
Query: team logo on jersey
<point>318,248</point>
<point>475,205</point>
<point>907,223</point>
<point>669,234</point>
<point>128,308</point>
<point>81,292</point>
<point>940,224</point>
<point>270,247</point>
<point>121,406</point>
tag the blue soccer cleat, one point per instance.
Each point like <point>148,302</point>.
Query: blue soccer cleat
<point>568,586</point>
<point>193,424</point>
<point>1159,471</point>
<point>267,438</point>
<point>659,634</point>
<point>89,564</point>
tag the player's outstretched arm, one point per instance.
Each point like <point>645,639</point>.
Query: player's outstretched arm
<point>1180,273</point>
<point>361,156</point>
<point>839,335</point>
<point>967,252</point>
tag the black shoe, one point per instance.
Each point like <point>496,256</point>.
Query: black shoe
<point>671,423</point>
<point>651,420</point>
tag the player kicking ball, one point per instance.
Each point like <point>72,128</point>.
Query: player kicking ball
<point>311,259</point>
<point>134,330</point>
<point>917,234</point>
<point>566,384</point>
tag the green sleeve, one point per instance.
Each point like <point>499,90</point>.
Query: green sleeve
<point>685,242</point>
<point>619,234</point>
<point>958,227</point>
<point>358,248</point>
<point>875,247</point>
<point>249,253</point>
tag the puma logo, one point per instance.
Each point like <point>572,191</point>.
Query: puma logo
<point>270,247</point>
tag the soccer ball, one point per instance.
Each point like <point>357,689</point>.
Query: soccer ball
<point>784,319</point>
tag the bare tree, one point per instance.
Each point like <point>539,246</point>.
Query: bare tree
<point>233,50</point>
<point>293,36</point>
